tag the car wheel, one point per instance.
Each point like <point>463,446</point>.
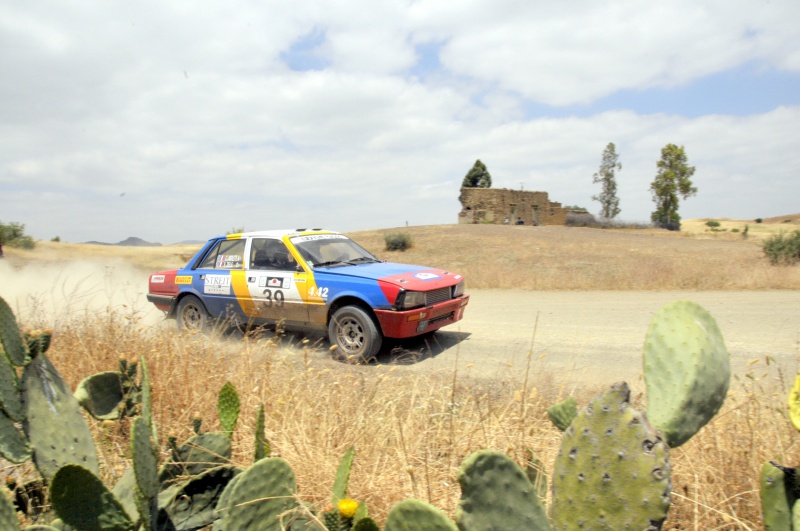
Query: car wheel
<point>354,334</point>
<point>191,314</point>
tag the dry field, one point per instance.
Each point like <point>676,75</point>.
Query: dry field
<point>531,258</point>
<point>412,430</point>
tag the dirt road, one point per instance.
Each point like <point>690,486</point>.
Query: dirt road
<point>597,337</point>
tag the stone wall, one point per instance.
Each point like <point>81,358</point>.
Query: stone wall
<point>512,207</point>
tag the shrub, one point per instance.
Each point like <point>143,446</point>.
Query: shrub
<point>759,220</point>
<point>712,223</point>
<point>397,241</point>
<point>13,235</point>
<point>783,248</point>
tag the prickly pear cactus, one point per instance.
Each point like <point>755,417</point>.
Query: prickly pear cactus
<point>417,515</point>
<point>101,395</point>
<point>197,454</point>
<point>228,408</point>
<point>686,369</point>
<point>261,443</point>
<point>261,494</point>
<point>57,431</point>
<point>145,459</point>
<point>81,500</point>
<point>561,414</point>
<point>497,495</point>
<point>14,446</point>
<point>777,500</point>
<point>8,515</point>
<point>191,504</point>
<point>9,391</point>
<point>613,470</point>
<point>10,336</point>
<point>343,476</point>
<point>366,524</point>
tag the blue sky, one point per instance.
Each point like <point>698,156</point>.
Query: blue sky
<point>171,123</point>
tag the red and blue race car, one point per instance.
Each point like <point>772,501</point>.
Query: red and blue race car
<point>309,279</point>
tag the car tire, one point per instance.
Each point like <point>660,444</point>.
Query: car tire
<point>354,334</point>
<point>191,314</point>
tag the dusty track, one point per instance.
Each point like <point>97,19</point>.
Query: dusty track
<point>597,337</point>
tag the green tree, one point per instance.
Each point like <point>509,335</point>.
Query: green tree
<point>13,235</point>
<point>672,180</point>
<point>609,202</point>
<point>478,176</point>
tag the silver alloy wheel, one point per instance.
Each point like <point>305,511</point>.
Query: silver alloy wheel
<point>354,334</point>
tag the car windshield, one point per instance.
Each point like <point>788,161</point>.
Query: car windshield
<point>331,250</point>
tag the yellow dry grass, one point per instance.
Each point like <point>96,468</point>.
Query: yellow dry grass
<point>411,429</point>
<point>545,258</point>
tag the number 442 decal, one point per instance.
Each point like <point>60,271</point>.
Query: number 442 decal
<point>322,293</point>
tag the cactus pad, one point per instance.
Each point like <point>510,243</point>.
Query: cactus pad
<point>417,515</point>
<point>686,369</point>
<point>777,500</point>
<point>9,391</point>
<point>101,394</point>
<point>8,514</point>
<point>191,504</point>
<point>342,476</point>
<point>82,501</point>
<point>496,494</point>
<point>561,414</point>
<point>10,336</point>
<point>57,431</point>
<point>13,446</point>
<point>228,408</point>
<point>261,494</point>
<point>145,459</point>
<point>197,454</point>
<point>261,443</point>
<point>613,470</point>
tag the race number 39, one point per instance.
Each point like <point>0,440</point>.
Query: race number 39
<point>273,298</point>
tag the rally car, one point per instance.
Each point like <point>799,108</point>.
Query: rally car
<point>309,278</point>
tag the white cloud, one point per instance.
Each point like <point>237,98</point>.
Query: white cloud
<point>193,115</point>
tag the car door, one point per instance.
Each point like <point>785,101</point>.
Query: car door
<point>273,277</point>
<point>212,279</point>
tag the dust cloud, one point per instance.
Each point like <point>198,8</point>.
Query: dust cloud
<point>51,294</point>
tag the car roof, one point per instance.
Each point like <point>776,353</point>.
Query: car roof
<point>280,233</point>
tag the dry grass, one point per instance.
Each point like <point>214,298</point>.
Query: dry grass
<point>535,258</point>
<point>411,431</point>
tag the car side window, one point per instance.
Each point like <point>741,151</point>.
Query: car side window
<point>227,254</point>
<point>271,254</point>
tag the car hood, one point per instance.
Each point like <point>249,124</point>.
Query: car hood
<point>406,276</point>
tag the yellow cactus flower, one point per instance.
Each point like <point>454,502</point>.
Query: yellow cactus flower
<point>347,508</point>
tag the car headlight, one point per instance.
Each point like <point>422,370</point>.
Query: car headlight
<point>458,289</point>
<point>410,299</point>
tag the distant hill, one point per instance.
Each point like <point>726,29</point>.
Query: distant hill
<point>129,242</point>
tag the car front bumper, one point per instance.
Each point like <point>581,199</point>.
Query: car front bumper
<point>410,323</point>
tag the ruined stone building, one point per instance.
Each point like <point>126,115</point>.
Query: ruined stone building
<point>513,207</point>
